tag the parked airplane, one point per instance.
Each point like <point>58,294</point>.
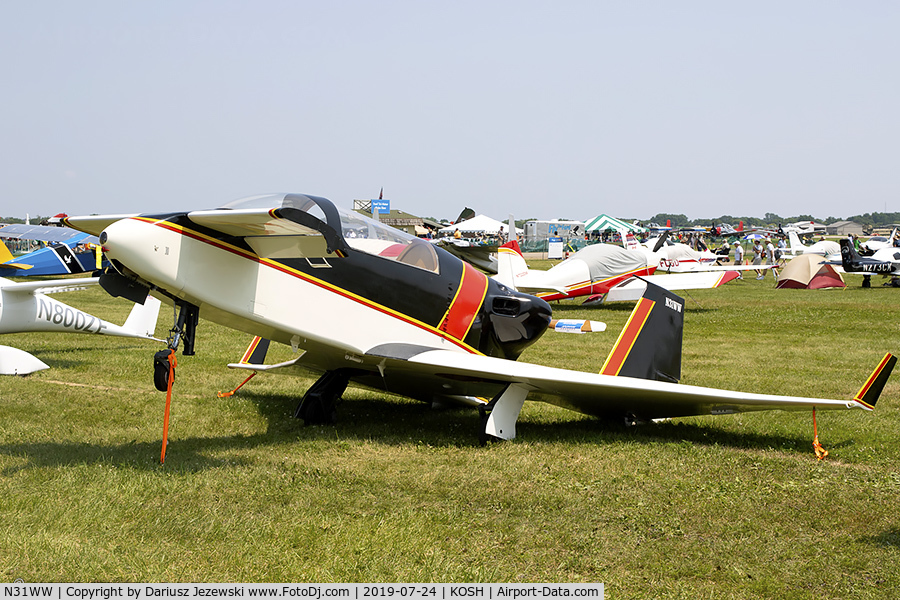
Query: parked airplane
<point>797,248</point>
<point>68,252</point>
<point>883,262</point>
<point>388,311</point>
<point>25,307</point>
<point>594,271</point>
<point>675,257</point>
<point>877,242</point>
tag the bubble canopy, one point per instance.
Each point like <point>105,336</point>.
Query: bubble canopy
<point>358,231</point>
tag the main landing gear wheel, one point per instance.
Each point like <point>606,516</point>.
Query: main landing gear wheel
<point>319,405</point>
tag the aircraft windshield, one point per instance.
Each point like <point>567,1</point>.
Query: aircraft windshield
<point>359,232</point>
<point>272,201</point>
<point>373,237</point>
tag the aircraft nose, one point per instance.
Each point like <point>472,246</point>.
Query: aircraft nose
<point>152,253</point>
<point>516,321</point>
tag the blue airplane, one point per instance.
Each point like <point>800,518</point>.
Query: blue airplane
<point>68,251</point>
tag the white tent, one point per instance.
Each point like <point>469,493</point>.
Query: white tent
<point>479,224</point>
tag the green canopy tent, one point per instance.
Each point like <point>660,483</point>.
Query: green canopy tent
<point>608,223</point>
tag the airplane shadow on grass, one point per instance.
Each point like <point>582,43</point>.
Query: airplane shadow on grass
<point>373,420</point>
<point>887,539</point>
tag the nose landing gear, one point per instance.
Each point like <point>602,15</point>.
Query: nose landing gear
<point>185,328</point>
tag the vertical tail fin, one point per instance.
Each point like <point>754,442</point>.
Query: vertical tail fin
<point>142,318</point>
<point>256,351</point>
<point>649,346</point>
<point>797,246</point>
<point>510,264</point>
<point>629,241</point>
<point>849,256</point>
<point>5,254</point>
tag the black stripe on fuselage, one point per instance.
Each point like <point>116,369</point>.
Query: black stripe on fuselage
<point>416,293</point>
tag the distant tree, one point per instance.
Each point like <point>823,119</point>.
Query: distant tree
<point>18,221</point>
<point>676,220</point>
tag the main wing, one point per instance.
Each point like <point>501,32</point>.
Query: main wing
<point>634,288</point>
<point>637,381</point>
<point>46,233</point>
<point>608,395</point>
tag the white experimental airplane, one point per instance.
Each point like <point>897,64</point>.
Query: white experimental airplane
<point>879,242</point>
<point>602,272</point>
<point>797,248</point>
<point>367,304</point>
<point>25,307</point>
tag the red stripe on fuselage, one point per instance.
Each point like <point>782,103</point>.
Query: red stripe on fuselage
<point>325,285</point>
<point>594,287</point>
<point>469,296</point>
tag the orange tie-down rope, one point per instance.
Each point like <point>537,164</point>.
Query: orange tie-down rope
<point>231,393</point>
<point>172,364</point>
<point>821,452</point>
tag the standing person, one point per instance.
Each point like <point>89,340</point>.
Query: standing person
<point>739,257</point>
<point>770,259</point>
<point>757,257</point>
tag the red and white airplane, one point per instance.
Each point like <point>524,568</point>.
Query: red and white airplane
<point>367,304</point>
<point>600,271</point>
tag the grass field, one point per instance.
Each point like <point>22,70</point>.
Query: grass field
<point>711,507</point>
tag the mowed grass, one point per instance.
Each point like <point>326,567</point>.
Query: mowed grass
<point>706,507</point>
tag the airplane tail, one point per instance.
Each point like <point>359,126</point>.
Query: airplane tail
<point>5,254</point>
<point>629,241</point>
<point>6,259</point>
<point>849,256</point>
<point>871,389</point>
<point>510,263</point>
<point>649,346</point>
<point>142,318</point>
<point>797,246</point>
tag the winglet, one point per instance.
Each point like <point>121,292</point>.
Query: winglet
<point>649,346</point>
<point>870,391</point>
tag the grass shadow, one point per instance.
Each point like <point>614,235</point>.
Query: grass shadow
<point>886,539</point>
<point>391,423</point>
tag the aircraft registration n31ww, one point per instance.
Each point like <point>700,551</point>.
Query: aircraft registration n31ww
<point>366,304</point>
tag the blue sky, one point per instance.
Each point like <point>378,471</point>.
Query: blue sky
<point>540,109</point>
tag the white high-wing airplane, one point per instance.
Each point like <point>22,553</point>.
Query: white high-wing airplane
<point>25,307</point>
<point>366,304</point>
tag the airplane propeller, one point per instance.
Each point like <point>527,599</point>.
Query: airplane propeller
<point>661,241</point>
